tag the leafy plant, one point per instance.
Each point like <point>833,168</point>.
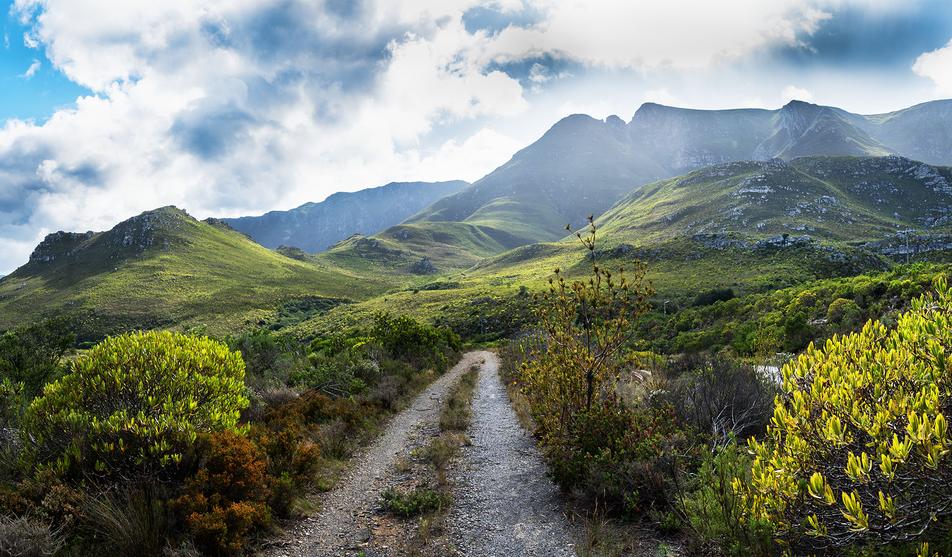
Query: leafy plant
<point>714,511</point>
<point>858,446</point>
<point>133,404</point>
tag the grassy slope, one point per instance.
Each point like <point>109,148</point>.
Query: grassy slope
<point>208,275</point>
<point>840,202</point>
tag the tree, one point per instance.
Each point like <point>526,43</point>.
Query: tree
<point>858,446</point>
<point>133,404</point>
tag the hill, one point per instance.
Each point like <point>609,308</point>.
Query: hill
<point>583,166</point>
<point>164,268</point>
<point>314,227</point>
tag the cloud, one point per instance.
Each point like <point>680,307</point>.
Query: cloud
<point>30,41</point>
<point>31,71</point>
<point>240,106</point>
<point>226,107</point>
<point>794,93</point>
<point>671,34</point>
<point>937,66</point>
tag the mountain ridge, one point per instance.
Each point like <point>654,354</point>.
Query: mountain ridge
<point>314,227</point>
<point>583,165</point>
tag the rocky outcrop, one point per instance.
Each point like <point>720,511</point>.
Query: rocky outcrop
<point>59,245</point>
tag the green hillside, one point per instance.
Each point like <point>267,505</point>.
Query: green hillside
<point>750,226</point>
<point>164,268</point>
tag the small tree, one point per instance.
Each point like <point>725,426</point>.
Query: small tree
<point>858,447</point>
<point>584,324</point>
<point>133,404</point>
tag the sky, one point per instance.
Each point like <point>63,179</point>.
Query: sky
<point>232,107</point>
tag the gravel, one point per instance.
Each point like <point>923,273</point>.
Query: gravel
<point>346,520</point>
<point>504,505</point>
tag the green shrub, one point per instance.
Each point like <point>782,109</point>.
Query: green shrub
<point>32,354</point>
<point>133,404</point>
<point>420,500</point>
<point>269,360</point>
<point>845,314</point>
<point>858,447</point>
<point>406,338</point>
<point>715,513</point>
<point>615,455</point>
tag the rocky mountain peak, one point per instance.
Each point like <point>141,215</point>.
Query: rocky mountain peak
<point>143,231</point>
<point>59,245</point>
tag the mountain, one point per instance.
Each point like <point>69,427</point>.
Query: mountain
<point>758,225</point>
<point>314,227</point>
<point>164,268</point>
<point>829,199</point>
<point>583,166</point>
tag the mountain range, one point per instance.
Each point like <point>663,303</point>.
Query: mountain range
<point>749,198</point>
<point>582,166</point>
<point>314,227</point>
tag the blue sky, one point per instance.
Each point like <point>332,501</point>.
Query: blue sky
<point>230,107</point>
<point>37,95</point>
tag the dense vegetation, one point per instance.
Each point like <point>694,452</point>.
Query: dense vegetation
<point>161,443</point>
<point>849,453</point>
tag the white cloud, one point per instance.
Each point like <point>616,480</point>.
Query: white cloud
<point>937,66</point>
<point>31,71</point>
<point>226,107</point>
<point>671,34</point>
<point>30,41</point>
<point>794,93</point>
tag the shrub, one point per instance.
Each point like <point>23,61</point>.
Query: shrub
<point>584,327</point>
<point>615,454</point>
<point>133,404</point>
<point>269,359</point>
<point>714,295</point>
<point>225,499</point>
<point>844,313</point>
<point>719,397</point>
<point>419,501</point>
<point>714,511</point>
<point>406,338</point>
<point>858,446</point>
<point>32,354</point>
<point>26,537</point>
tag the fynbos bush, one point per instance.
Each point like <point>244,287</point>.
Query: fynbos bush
<point>858,447</point>
<point>133,404</point>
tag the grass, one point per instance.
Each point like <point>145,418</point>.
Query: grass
<point>426,494</point>
<point>190,275</point>
<point>418,501</point>
<point>457,411</point>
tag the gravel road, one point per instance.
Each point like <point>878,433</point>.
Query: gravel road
<point>504,504</point>
<point>346,517</point>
